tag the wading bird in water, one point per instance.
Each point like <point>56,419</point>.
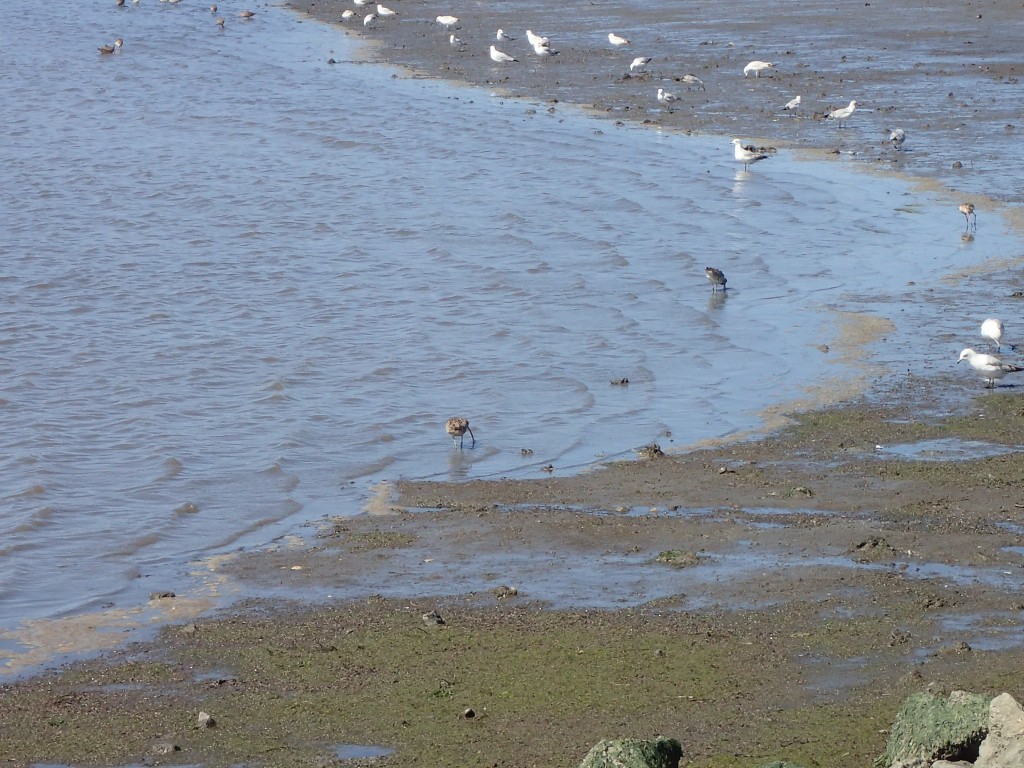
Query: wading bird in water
<point>746,155</point>
<point>989,366</point>
<point>967,209</point>
<point>117,47</point>
<point>458,426</point>
<point>992,329</point>
<point>716,277</point>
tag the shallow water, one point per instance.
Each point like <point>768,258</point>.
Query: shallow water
<point>241,287</point>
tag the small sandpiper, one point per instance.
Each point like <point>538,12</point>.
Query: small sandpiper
<point>458,426</point>
<point>716,277</point>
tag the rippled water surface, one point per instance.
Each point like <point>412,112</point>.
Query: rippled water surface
<point>239,286</point>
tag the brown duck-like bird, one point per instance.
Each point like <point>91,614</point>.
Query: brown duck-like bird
<point>457,426</point>
<point>247,14</point>
<point>112,48</point>
<point>716,277</point>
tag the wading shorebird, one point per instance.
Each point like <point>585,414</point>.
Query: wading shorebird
<point>746,155</point>
<point>457,426</point>
<point>841,115</point>
<point>220,22</point>
<point>757,67</point>
<point>992,329</point>
<point>970,217</point>
<point>246,14</point>
<point>716,277</point>
<point>114,48</point>
<point>897,138</point>
<point>989,366</point>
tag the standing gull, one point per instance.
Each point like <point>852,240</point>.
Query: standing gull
<point>536,40</point>
<point>447,21</point>
<point>384,12</point>
<point>967,209</point>
<point>693,81</point>
<point>666,98</point>
<point>745,155</point>
<point>897,138</point>
<point>458,426</point>
<point>543,49</point>
<point>501,37</point>
<point>757,67</point>
<point>792,105</point>
<point>989,366</point>
<point>617,40</point>
<point>368,19</point>
<point>840,115</point>
<point>716,277</point>
<point>992,329</point>
<point>640,62</point>
<point>499,57</point>
<point>455,42</point>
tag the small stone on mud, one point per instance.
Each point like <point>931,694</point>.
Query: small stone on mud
<point>189,629</point>
<point>678,558</point>
<point>206,720</point>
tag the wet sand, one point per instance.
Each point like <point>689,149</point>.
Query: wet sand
<point>770,599</point>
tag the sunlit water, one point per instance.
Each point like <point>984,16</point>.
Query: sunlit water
<point>240,286</point>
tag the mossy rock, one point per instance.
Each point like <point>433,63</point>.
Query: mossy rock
<point>930,728</point>
<point>634,753</point>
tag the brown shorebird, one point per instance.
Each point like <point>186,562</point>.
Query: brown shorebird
<point>112,48</point>
<point>967,209</point>
<point>716,277</point>
<point>247,14</point>
<point>457,426</point>
<point>220,22</point>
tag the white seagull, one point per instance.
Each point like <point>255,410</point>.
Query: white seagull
<point>992,329</point>
<point>839,115</point>
<point>455,42</point>
<point>347,14</point>
<point>501,58</point>
<point>384,13</point>
<point>368,19</point>
<point>989,366</point>
<point>543,49</point>
<point>536,40</point>
<point>500,36</point>
<point>792,105</point>
<point>665,97</point>
<point>746,156</point>
<point>639,63</point>
<point>694,81</point>
<point>447,21</point>
<point>757,67</point>
<point>617,40</point>
<point>897,138</point>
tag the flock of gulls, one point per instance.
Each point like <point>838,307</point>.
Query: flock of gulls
<point>989,366</point>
